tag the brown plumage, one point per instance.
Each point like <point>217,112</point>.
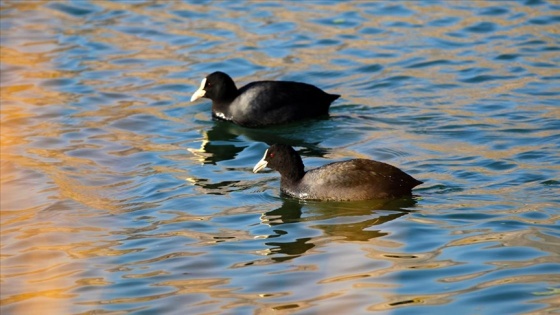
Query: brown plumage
<point>358,179</point>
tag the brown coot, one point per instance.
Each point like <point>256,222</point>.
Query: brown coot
<point>263,103</point>
<point>358,179</point>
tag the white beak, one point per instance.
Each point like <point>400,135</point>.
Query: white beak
<point>261,164</point>
<point>200,92</point>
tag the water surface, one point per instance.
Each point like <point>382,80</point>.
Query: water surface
<point>119,196</point>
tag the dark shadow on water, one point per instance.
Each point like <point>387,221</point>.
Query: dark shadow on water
<point>290,250</point>
<point>368,214</point>
<point>222,139</point>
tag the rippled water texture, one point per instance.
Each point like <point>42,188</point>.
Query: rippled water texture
<point>119,196</point>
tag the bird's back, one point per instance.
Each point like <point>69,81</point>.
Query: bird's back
<point>277,102</point>
<point>357,179</point>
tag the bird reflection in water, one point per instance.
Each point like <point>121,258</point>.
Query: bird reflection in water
<point>221,139</point>
<point>367,214</point>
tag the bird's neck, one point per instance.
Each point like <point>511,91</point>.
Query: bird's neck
<point>294,174</point>
<point>221,110</point>
<point>221,105</point>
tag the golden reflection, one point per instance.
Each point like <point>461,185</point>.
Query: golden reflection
<point>85,194</point>
<point>54,293</point>
<point>526,238</point>
<point>395,301</point>
<point>146,275</point>
<point>37,275</point>
<point>45,252</point>
<point>200,154</point>
<point>11,56</point>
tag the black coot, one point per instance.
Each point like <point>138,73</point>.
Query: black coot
<point>263,103</point>
<point>358,179</point>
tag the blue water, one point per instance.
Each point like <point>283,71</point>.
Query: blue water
<point>120,196</point>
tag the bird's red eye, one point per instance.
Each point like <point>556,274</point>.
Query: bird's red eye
<point>271,155</point>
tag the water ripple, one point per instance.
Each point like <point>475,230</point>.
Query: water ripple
<point>120,196</point>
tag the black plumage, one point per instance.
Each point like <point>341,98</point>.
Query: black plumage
<point>263,103</point>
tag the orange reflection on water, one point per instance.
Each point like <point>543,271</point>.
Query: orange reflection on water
<point>32,260</point>
<point>46,251</point>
